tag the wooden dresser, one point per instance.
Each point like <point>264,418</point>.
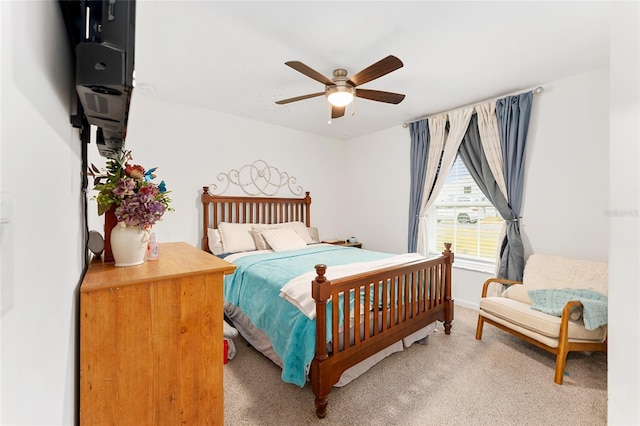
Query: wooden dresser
<point>151,344</point>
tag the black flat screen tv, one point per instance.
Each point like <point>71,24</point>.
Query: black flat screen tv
<point>102,33</point>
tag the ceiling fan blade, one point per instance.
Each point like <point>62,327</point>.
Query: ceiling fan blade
<point>309,72</point>
<point>337,112</point>
<point>380,96</point>
<point>380,68</point>
<point>299,98</point>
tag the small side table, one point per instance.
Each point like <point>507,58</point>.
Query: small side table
<point>342,243</point>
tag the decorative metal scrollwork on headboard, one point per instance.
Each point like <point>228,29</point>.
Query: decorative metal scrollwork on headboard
<point>257,178</point>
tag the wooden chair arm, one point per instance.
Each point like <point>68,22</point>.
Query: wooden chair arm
<point>496,280</point>
<point>564,322</point>
<point>568,307</point>
<point>570,304</point>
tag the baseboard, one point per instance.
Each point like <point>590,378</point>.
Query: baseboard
<point>468,305</point>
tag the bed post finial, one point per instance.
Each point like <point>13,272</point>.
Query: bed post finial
<point>320,287</point>
<point>307,200</point>
<point>447,247</point>
<point>321,270</point>
<point>447,253</point>
<point>205,218</point>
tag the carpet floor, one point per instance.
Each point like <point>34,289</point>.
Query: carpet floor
<point>452,380</point>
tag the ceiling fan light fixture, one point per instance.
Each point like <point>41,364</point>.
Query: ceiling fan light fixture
<point>341,90</point>
<point>340,95</point>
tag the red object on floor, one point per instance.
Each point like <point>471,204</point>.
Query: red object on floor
<point>225,352</point>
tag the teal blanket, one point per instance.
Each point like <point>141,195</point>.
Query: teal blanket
<point>255,288</point>
<point>552,302</point>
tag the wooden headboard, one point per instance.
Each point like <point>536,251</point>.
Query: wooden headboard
<point>264,210</point>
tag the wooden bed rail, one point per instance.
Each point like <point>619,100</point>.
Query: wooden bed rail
<point>388,305</point>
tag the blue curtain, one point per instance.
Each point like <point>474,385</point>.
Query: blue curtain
<point>419,131</point>
<point>513,113</point>
<point>472,154</point>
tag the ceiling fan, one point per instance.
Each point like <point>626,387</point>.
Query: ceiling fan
<point>341,89</point>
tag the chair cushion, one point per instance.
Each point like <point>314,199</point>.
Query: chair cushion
<point>547,325</point>
<point>518,292</point>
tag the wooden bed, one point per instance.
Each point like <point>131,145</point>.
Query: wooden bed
<point>421,292</point>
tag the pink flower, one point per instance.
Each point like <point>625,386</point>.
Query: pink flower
<point>149,189</point>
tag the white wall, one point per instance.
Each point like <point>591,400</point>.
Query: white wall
<point>42,245</point>
<point>567,170</point>
<point>377,184</point>
<point>623,216</point>
<point>192,146</point>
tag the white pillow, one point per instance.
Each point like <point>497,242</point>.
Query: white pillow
<point>313,231</point>
<point>300,228</point>
<point>282,239</point>
<point>517,292</point>
<point>261,244</point>
<point>236,237</point>
<point>215,242</point>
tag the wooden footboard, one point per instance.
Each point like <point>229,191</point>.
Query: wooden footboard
<point>407,297</point>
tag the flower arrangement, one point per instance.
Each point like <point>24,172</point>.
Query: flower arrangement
<point>138,201</point>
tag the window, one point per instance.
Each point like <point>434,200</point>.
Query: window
<point>463,216</point>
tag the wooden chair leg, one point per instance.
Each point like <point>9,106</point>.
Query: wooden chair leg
<point>561,362</point>
<point>563,345</point>
<point>479,327</point>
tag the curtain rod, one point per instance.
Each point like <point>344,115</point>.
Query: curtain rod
<point>536,91</point>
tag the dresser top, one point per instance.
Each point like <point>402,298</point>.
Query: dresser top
<point>176,260</point>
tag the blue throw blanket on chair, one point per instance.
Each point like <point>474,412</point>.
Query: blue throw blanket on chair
<point>552,302</point>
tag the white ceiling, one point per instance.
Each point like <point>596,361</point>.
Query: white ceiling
<point>229,56</point>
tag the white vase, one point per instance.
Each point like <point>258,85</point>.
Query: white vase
<point>128,244</point>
